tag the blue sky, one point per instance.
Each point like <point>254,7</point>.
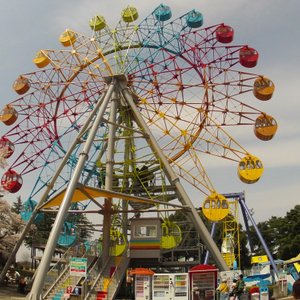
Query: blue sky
<point>270,26</point>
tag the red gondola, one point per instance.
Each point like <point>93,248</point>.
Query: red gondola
<point>224,34</point>
<point>248,57</point>
<point>11,181</point>
<point>7,146</point>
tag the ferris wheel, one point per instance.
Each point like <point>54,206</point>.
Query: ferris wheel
<point>190,84</point>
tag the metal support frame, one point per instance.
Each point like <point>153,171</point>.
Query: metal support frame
<point>48,189</point>
<point>109,175</point>
<point>174,179</point>
<point>212,233</point>
<point>36,291</point>
<point>117,87</point>
<point>247,214</point>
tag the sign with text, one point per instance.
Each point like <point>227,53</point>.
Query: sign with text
<point>78,266</point>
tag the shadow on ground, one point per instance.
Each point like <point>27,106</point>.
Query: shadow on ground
<point>10,293</point>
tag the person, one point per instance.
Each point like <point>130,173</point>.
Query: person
<point>101,178</point>
<point>296,289</point>
<point>233,289</point>
<point>22,285</point>
<point>223,289</point>
<point>240,286</point>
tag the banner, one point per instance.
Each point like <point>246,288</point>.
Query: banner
<point>78,266</point>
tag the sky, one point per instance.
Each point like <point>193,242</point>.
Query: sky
<point>269,26</point>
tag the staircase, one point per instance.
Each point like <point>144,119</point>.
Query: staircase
<point>107,283</point>
<point>58,278</point>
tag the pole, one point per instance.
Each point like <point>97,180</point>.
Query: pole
<point>109,177</point>
<point>243,204</point>
<point>212,233</point>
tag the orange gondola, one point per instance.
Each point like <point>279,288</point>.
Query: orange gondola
<point>224,34</point>
<point>21,85</point>
<point>11,181</point>
<point>263,88</point>
<point>41,59</point>
<point>248,57</point>
<point>250,169</point>
<point>215,207</point>
<point>8,115</point>
<point>265,127</point>
<point>7,147</point>
<point>67,38</point>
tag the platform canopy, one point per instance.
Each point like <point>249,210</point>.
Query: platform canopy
<point>83,193</point>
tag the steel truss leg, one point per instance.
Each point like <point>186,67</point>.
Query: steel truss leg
<point>45,194</point>
<point>174,179</point>
<point>245,208</point>
<point>36,291</point>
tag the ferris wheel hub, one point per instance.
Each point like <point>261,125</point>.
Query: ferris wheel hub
<point>121,78</point>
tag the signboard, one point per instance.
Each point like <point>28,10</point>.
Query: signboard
<point>78,266</point>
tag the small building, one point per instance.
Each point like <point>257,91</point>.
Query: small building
<point>145,239</point>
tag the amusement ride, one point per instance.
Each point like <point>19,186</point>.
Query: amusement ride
<point>117,120</point>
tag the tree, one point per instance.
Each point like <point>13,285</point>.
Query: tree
<point>281,235</point>
<point>18,206</point>
<point>11,226</point>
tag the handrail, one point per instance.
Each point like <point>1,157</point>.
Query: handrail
<point>66,269</point>
<point>55,267</point>
<point>117,276</point>
<point>97,280</point>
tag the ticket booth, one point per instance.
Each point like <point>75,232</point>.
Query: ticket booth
<point>170,286</point>
<point>203,282</point>
<point>142,279</point>
<point>145,240</point>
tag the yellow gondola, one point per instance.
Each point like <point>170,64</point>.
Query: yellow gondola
<point>21,85</point>
<point>67,38</point>
<point>171,235</point>
<point>8,115</point>
<point>263,88</point>
<point>41,59</point>
<point>250,169</point>
<point>97,23</point>
<point>118,242</point>
<point>215,207</point>
<point>130,14</point>
<point>265,127</point>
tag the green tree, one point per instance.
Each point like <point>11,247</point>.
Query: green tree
<point>281,235</point>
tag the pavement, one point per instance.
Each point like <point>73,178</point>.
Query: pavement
<point>11,293</point>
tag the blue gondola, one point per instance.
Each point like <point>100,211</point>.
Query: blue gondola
<point>27,210</point>
<point>68,235</point>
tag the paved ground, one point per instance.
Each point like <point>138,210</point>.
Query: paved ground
<point>10,293</point>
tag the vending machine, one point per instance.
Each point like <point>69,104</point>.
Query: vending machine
<point>142,283</point>
<point>170,286</point>
<point>203,282</point>
<point>142,287</point>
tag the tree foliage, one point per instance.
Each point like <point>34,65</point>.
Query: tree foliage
<point>281,234</point>
<point>11,225</point>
